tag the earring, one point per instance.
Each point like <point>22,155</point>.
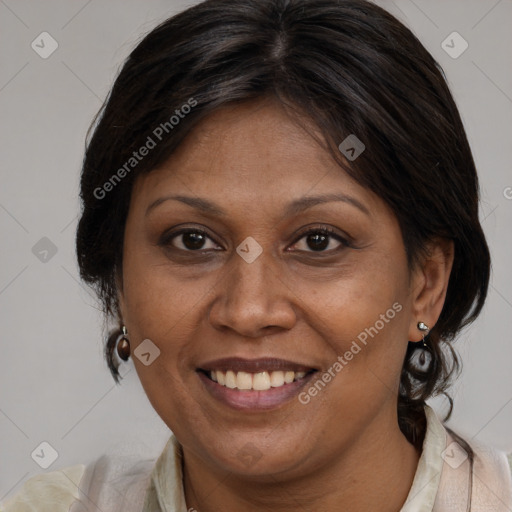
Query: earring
<point>123,345</point>
<point>424,331</point>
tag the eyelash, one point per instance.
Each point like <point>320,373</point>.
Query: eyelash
<point>324,230</point>
<point>327,231</point>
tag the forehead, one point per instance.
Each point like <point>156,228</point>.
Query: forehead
<point>251,152</point>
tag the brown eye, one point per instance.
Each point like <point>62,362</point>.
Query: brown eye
<point>317,241</point>
<point>189,240</point>
<point>193,240</point>
<point>320,240</point>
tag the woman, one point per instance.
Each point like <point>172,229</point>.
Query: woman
<point>280,208</point>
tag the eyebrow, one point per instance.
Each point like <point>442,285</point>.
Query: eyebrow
<point>293,208</point>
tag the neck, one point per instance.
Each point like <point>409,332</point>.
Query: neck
<point>375,473</point>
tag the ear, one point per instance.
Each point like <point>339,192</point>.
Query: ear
<point>429,285</point>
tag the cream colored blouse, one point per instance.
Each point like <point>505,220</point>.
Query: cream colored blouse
<point>119,484</point>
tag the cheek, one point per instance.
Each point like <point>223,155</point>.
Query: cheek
<point>157,298</point>
<point>363,319</point>
<point>160,308</point>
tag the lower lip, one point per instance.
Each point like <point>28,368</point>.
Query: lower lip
<point>254,400</point>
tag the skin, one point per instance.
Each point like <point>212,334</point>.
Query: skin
<point>342,449</point>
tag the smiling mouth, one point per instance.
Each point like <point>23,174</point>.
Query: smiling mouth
<point>258,381</point>
<point>254,385</point>
<point>262,374</point>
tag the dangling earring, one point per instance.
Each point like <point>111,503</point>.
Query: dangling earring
<point>424,331</point>
<point>123,345</point>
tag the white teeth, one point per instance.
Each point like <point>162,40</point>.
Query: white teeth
<point>276,379</point>
<point>230,379</point>
<point>261,381</point>
<point>243,380</point>
<point>289,376</point>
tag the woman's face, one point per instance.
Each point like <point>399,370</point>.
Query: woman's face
<point>256,297</point>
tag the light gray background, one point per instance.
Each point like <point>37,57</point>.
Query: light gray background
<point>55,386</point>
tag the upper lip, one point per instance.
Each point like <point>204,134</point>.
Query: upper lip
<point>262,364</point>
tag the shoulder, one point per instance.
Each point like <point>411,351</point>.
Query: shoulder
<point>481,471</point>
<point>111,483</point>
<point>487,460</point>
<point>116,483</point>
<point>47,492</point>
<point>492,463</point>
<point>459,474</point>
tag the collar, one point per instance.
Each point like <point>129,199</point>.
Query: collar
<point>165,492</point>
<point>423,492</point>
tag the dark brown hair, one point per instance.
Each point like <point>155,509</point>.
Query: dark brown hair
<point>347,66</point>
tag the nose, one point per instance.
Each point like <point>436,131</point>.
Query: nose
<point>253,299</point>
